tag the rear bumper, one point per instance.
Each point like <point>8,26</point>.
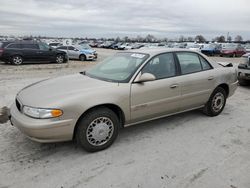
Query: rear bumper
<point>232,88</point>
<point>42,130</point>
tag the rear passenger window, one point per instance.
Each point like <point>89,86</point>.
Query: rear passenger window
<point>205,64</point>
<point>14,46</point>
<point>61,48</point>
<point>30,46</point>
<point>189,62</point>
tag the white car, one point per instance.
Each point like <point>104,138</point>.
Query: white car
<point>82,52</point>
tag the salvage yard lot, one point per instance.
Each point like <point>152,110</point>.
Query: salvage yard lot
<point>186,150</point>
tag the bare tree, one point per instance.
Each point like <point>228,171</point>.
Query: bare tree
<point>200,39</point>
<point>238,38</point>
<point>220,39</point>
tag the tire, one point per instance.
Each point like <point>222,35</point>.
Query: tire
<point>17,60</point>
<point>97,130</point>
<point>243,82</point>
<point>216,102</point>
<point>59,58</point>
<point>82,57</point>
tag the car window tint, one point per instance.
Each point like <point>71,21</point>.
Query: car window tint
<point>14,46</point>
<point>205,64</point>
<point>71,48</point>
<point>30,46</point>
<point>161,66</point>
<point>189,62</point>
<point>62,48</point>
<point>43,46</point>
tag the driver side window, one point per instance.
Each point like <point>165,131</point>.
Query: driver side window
<point>161,66</point>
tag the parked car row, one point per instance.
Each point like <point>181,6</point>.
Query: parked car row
<point>226,49</point>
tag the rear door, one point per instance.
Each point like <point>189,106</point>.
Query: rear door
<point>31,52</point>
<point>73,52</point>
<point>159,97</point>
<point>197,80</point>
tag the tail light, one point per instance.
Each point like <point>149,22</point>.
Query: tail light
<point>1,51</point>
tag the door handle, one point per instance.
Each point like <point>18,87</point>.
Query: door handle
<point>174,86</point>
<point>210,78</point>
<point>38,52</point>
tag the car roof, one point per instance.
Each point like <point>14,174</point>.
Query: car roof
<point>24,42</point>
<point>155,51</point>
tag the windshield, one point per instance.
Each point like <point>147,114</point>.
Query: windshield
<point>84,46</point>
<point>230,46</point>
<point>118,68</point>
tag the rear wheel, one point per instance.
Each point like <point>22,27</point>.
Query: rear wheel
<point>98,129</point>
<point>82,57</point>
<point>17,60</point>
<point>216,102</point>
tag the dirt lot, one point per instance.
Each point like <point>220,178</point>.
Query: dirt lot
<point>189,150</point>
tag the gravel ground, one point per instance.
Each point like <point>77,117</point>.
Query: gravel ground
<point>189,150</point>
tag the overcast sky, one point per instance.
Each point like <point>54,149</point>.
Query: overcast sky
<point>111,18</point>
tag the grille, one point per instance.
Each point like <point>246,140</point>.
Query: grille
<point>18,105</point>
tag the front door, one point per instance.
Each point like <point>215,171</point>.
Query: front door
<point>159,97</point>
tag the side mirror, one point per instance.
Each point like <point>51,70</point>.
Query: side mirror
<point>145,77</point>
<point>75,49</point>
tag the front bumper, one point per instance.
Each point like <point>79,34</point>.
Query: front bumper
<point>244,73</point>
<point>91,56</point>
<point>42,130</point>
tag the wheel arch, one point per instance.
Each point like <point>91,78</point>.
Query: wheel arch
<point>225,87</point>
<point>82,54</point>
<point>115,108</point>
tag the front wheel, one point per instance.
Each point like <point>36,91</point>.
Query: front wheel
<point>97,130</point>
<point>82,58</point>
<point>59,59</point>
<point>216,102</point>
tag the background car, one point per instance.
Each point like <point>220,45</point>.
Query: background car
<point>211,49</point>
<point>244,70</point>
<point>55,44</point>
<point>19,52</point>
<point>247,47</point>
<point>82,52</point>
<point>195,47</point>
<point>232,50</point>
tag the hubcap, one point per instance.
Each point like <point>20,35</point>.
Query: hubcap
<point>218,102</point>
<point>17,60</point>
<point>59,59</point>
<point>100,131</point>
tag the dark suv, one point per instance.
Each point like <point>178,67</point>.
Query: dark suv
<point>30,51</point>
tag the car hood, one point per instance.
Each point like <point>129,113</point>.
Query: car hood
<point>90,51</point>
<point>50,92</point>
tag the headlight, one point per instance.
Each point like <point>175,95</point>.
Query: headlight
<point>41,113</point>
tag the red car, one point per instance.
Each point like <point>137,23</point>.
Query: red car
<point>232,50</point>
